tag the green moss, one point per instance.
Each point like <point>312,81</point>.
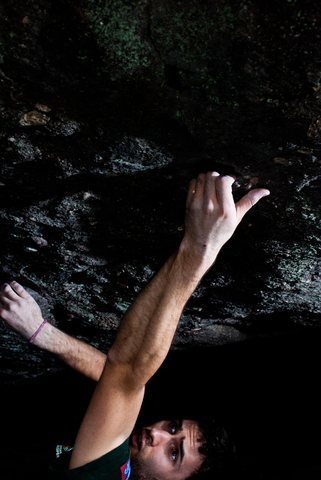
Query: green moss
<point>186,33</point>
<point>134,34</point>
<point>118,25</point>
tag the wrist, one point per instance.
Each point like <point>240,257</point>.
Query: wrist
<point>49,339</point>
<point>198,257</point>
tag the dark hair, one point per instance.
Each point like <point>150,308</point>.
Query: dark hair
<point>219,452</point>
<point>218,449</point>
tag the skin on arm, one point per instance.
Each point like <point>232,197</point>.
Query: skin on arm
<point>22,313</point>
<point>142,342</point>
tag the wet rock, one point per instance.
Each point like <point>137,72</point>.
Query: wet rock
<point>210,335</point>
<point>121,105</point>
<point>295,284</point>
<point>41,242</point>
<point>64,128</point>
<point>137,155</point>
<point>24,148</point>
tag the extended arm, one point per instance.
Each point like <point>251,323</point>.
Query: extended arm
<point>148,327</point>
<point>142,342</point>
<point>22,313</point>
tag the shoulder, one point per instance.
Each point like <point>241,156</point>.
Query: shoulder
<point>114,465</point>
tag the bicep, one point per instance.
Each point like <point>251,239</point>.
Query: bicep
<point>110,417</point>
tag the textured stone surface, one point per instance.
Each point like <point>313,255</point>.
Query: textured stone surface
<point>108,109</point>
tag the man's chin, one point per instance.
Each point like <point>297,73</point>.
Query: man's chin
<point>136,473</point>
<point>139,470</point>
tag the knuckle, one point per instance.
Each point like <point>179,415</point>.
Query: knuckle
<point>222,179</point>
<point>12,307</point>
<point>223,213</point>
<point>227,179</point>
<point>209,208</point>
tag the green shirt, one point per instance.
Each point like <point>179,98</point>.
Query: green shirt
<point>114,465</point>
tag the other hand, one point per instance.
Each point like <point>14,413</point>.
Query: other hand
<point>19,309</point>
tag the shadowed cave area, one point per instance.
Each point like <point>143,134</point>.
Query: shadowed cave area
<point>108,109</point>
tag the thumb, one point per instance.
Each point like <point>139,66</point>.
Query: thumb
<point>249,200</point>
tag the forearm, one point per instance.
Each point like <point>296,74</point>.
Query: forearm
<point>136,321</point>
<point>77,354</point>
<point>143,347</point>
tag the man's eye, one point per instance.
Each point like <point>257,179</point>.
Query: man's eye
<point>174,455</point>
<point>173,427</point>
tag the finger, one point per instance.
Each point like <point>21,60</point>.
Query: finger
<point>224,193</point>
<point>199,190</point>
<point>191,192</point>
<point>4,313</point>
<point>209,187</point>
<point>9,293</point>
<point>20,290</point>
<point>249,200</point>
<point>4,301</point>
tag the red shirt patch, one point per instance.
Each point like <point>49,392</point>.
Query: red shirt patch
<point>125,471</point>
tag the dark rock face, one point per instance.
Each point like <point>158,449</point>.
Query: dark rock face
<point>107,110</point>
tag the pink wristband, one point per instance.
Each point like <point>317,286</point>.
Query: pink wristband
<point>31,339</point>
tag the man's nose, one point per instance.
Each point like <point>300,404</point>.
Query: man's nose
<point>159,436</point>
